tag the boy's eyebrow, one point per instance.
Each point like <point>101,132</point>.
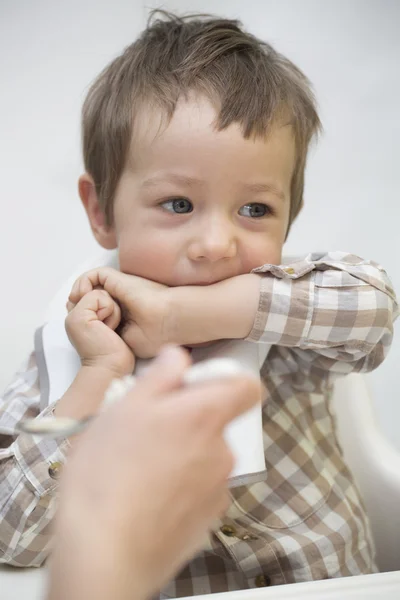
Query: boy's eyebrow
<point>194,181</point>
<point>172,178</point>
<point>265,187</point>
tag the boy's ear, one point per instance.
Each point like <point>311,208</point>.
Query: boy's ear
<point>104,234</point>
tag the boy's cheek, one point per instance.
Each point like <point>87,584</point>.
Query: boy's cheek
<point>268,254</point>
<point>148,261</point>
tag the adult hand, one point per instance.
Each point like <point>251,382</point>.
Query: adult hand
<point>145,482</point>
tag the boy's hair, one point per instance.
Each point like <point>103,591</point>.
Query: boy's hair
<point>248,81</point>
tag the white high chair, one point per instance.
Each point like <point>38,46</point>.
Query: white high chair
<point>374,463</point>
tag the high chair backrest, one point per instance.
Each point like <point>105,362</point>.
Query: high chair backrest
<point>375,465</point>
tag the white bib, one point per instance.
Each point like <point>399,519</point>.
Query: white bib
<point>59,363</point>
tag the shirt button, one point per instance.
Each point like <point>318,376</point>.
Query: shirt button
<point>289,270</point>
<point>262,581</point>
<point>55,470</point>
<point>228,530</point>
<point>249,536</point>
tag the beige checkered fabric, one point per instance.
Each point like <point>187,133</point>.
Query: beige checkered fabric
<point>326,315</point>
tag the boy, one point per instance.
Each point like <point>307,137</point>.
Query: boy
<point>195,142</point>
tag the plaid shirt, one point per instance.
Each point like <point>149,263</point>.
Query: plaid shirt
<point>326,315</point>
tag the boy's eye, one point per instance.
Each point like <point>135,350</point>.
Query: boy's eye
<point>255,210</point>
<point>178,205</point>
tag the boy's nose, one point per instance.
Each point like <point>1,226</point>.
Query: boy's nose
<point>213,243</point>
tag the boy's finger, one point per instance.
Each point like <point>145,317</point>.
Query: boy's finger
<point>70,305</point>
<point>96,304</point>
<point>114,319</point>
<point>117,284</point>
<point>81,287</point>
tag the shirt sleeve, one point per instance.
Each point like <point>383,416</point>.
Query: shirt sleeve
<point>329,314</point>
<point>28,473</point>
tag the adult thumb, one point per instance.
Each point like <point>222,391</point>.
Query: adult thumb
<point>165,372</point>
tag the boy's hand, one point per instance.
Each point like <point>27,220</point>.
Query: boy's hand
<point>154,314</point>
<point>144,306</point>
<point>91,325</point>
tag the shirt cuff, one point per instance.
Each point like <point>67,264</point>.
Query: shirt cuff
<point>284,313</point>
<point>292,270</point>
<point>40,459</point>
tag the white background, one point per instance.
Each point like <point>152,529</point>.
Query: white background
<point>51,50</point>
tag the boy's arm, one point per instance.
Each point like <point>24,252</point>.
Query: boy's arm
<point>27,489</point>
<point>30,466</point>
<point>334,310</point>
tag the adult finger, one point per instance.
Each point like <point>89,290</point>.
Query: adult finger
<point>213,508</point>
<point>165,372</point>
<point>218,402</point>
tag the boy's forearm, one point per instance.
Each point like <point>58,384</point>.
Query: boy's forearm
<point>224,310</point>
<point>86,393</point>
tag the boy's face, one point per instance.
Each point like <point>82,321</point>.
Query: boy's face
<point>195,205</point>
